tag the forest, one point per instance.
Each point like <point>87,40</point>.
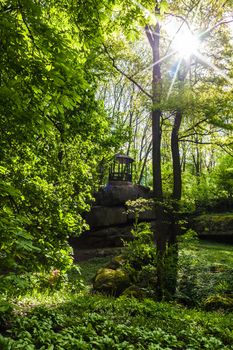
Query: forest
<point>82,84</point>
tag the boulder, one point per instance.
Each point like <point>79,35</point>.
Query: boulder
<point>134,292</point>
<point>214,224</point>
<point>110,282</point>
<point>118,194</point>
<point>104,237</point>
<point>101,216</point>
<point>109,224</point>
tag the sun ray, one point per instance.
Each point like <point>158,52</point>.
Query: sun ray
<point>210,29</point>
<point>215,68</point>
<point>174,78</point>
<point>166,37</point>
<point>157,62</point>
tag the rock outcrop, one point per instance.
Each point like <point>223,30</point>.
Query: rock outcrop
<point>214,225</point>
<point>109,223</point>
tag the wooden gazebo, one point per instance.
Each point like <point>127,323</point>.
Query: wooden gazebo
<point>121,169</point>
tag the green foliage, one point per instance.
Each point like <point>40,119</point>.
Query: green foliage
<point>140,252</point>
<point>212,189</point>
<point>138,206</point>
<point>92,322</point>
<point>140,256</point>
<point>204,272</point>
<point>219,302</point>
<point>224,176</point>
<point>6,309</point>
<point>53,130</point>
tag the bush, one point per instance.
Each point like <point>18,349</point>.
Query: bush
<point>14,284</point>
<point>140,256</point>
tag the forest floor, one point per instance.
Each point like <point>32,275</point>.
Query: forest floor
<point>69,320</point>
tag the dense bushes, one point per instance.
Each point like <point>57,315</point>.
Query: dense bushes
<point>212,190</point>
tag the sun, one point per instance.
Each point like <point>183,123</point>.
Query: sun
<point>185,44</point>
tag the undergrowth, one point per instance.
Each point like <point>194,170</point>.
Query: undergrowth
<point>96,322</point>
<point>69,318</point>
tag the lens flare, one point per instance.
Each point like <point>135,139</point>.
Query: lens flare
<point>186,44</point>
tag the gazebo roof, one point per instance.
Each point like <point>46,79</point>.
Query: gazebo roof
<point>123,158</point>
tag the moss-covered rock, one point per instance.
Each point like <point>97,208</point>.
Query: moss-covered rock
<point>110,282</point>
<point>218,301</point>
<point>116,263</point>
<point>134,292</point>
<point>218,268</point>
<point>214,224</point>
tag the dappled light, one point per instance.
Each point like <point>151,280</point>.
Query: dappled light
<point>116,175</point>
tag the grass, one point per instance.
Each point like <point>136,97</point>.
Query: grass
<point>206,250</point>
<point>216,252</point>
<point>89,267</point>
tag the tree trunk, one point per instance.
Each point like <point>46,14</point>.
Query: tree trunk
<point>144,163</point>
<point>153,35</point>
<point>177,183</point>
<point>156,154</point>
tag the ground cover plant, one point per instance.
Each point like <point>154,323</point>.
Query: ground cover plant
<point>94,322</point>
<point>205,276</point>
<point>69,319</point>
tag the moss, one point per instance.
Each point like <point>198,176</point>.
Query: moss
<point>225,217</point>
<point>111,282</point>
<point>214,224</point>
<point>134,292</point>
<point>116,263</point>
<point>218,301</point>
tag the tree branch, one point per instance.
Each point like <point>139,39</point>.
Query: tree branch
<point>194,126</point>
<point>208,30</point>
<point>126,75</point>
<point>205,143</point>
<point>180,17</point>
<point>206,133</point>
<point>30,34</point>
